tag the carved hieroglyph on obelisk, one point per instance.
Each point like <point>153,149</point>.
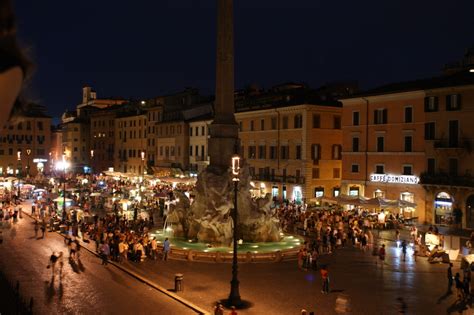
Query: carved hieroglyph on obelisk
<point>223,142</point>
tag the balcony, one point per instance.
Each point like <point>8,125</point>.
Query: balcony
<point>461,144</point>
<point>200,158</point>
<point>445,179</point>
<point>279,179</point>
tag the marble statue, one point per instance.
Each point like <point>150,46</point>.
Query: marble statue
<point>208,218</point>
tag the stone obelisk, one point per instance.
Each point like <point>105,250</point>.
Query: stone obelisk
<point>223,142</point>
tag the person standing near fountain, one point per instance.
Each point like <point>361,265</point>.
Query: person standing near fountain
<point>166,249</point>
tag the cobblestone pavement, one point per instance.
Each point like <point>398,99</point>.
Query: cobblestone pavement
<point>84,288</point>
<point>274,288</point>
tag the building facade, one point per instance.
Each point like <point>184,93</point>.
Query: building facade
<point>25,145</point>
<point>198,144</point>
<point>412,141</point>
<point>293,151</point>
<point>131,143</point>
<point>102,137</point>
<point>383,147</point>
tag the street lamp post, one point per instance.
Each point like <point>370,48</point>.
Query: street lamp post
<point>18,155</point>
<point>28,152</point>
<point>234,296</point>
<point>63,166</point>
<point>92,158</point>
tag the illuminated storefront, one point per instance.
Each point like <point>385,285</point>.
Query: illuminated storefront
<point>443,209</point>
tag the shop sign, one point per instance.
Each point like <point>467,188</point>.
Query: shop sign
<point>394,179</point>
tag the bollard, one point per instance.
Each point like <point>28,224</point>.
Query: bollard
<point>178,282</point>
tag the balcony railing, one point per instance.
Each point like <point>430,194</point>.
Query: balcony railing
<point>279,179</point>
<point>446,179</point>
<point>464,144</point>
<point>200,158</point>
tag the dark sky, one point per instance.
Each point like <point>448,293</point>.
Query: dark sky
<point>145,48</point>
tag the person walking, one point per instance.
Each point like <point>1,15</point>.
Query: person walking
<point>43,229</point>
<point>104,253</point>
<point>382,255</point>
<point>166,249</point>
<point>450,277</point>
<point>404,250</point>
<point>325,279</point>
<point>52,263</point>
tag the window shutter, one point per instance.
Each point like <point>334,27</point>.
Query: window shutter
<point>426,104</point>
<point>375,117</point>
<point>384,116</point>
<point>459,101</point>
<point>448,102</point>
<point>436,103</point>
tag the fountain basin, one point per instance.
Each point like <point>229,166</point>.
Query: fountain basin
<point>184,249</point>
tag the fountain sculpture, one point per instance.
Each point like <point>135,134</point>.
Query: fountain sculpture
<point>207,219</point>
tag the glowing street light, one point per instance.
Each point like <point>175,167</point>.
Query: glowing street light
<point>234,296</point>
<point>63,166</point>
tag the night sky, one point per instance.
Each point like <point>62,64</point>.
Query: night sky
<point>143,48</point>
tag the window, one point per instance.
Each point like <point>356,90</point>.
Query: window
<point>453,133</point>
<point>315,173</point>
<point>355,118</point>
<point>431,104</point>
<point>316,152</point>
<point>262,124</point>
<point>196,130</point>
<point>251,125</point>
<point>285,152</point>
<point>355,168</point>
<point>379,169</point>
<point>203,130</point>
<point>430,131</point>
<point>28,125</point>
<point>316,121</point>
<point>40,125</point>
<point>453,167</point>
<point>380,116</point>
<point>408,114</point>
<point>285,122</point>
<point>298,123</point>
<point>431,166</point>
<point>453,102</point>
<point>190,132</point>
<point>298,152</point>
<point>380,143</point>
<point>336,151</point>
<point>262,150</point>
<point>273,152</point>
<point>240,125</point>
<point>336,191</point>
<point>408,143</point>
<point>252,152</point>
<point>20,126</point>
<point>318,192</point>
<point>196,150</point>
<point>407,170</point>
<point>337,122</point>
<point>355,144</point>
<point>336,173</point>
<point>274,123</point>
<point>190,150</point>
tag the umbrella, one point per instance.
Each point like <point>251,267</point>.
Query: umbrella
<point>61,199</point>
<point>11,178</point>
<point>39,190</point>
<point>95,194</point>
